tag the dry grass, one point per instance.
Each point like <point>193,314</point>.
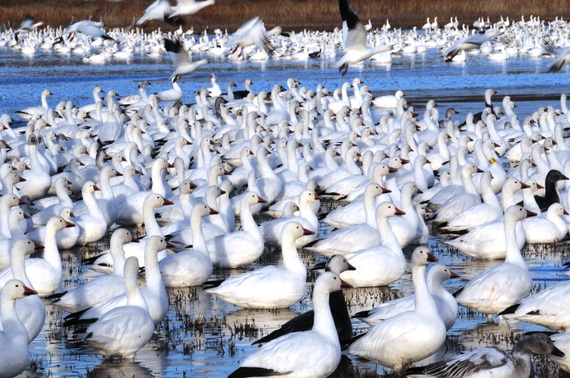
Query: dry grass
<point>290,14</point>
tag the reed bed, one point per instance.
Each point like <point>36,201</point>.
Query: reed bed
<point>290,14</point>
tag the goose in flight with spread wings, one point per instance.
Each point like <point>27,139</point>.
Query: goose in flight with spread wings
<point>354,35</point>
<point>181,58</point>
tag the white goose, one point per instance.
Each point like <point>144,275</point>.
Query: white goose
<point>550,228</point>
<point>14,351</point>
<point>270,286</point>
<point>125,329</point>
<point>151,227</point>
<point>190,267</point>
<point>44,273</point>
<point>410,336</point>
<point>355,237</point>
<point>93,225</point>
<point>239,247</point>
<point>272,230</point>
<point>30,310</point>
<point>445,302</point>
<point>314,353</point>
<point>505,284</point>
<point>102,287</point>
<point>28,113</point>
<point>356,211</point>
<point>154,293</point>
<point>381,264</point>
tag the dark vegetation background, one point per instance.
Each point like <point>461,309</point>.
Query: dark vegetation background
<point>289,14</point>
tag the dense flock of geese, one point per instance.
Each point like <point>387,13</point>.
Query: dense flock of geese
<point>187,174</point>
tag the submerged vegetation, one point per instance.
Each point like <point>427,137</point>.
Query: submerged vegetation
<point>290,14</point>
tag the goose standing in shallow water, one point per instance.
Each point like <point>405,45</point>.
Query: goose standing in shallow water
<point>314,353</point>
<point>123,330</point>
<point>193,266</point>
<point>492,361</point>
<point>270,286</point>
<point>410,336</point>
<point>445,302</point>
<point>304,322</point>
<point>44,273</point>
<point>31,310</point>
<point>14,350</point>
<point>102,287</point>
<point>503,285</point>
<point>239,247</point>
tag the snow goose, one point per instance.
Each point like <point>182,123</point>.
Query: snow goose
<point>45,273</point>
<point>190,267</point>
<point>102,287</point>
<point>470,42</point>
<point>354,36</point>
<point>382,264</point>
<point>14,356</point>
<point>356,211</point>
<point>356,237</point>
<point>485,212</point>
<point>131,208</point>
<point>38,179</point>
<point>445,302</point>
<point>66,238</point>
<point>125,329</point>
<point>548,308</point>
<point>488,241</point>
<point>270,286</point>
<point>450,191</point>
<point>269,185</point>
<point>28,113</point>
<point>173,94</point>
<point>272,230</point>
<point>304,322</point>
<point>151,228</point>
<point>93,225</point>
<point>410,336</point>
<point>239,247</point>
<point>460,202</point>
<point>503,285</point>
<point>154,293</point>
<point>186,7</point>
<point>492,361</point>
<point>314,353</point>
<point>405,227</point>
<point>30,310</point>
<point>7,201</point>
<point>550,228</point>
<point>253,32</point>
<point>562,57</point>
<point>181,58</point>
<point>388,101</point>
<point>63,200</point>
<point>89,28</point>
<point>159,10</point>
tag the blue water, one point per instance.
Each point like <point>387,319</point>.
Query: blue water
<point>202,336</point>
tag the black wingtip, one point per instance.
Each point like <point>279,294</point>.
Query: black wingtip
<point>510,309</point>
<point>172,46</point>
<point>244,372</point>
<point>348,14</point>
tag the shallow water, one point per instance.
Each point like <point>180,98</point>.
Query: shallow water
<point>204,336</point>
